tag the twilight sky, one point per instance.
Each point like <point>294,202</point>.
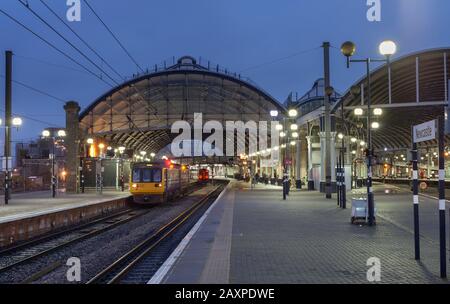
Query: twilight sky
<point>247,36</point>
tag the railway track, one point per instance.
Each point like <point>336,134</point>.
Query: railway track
<point>34,249</point>
<point>139,264</point>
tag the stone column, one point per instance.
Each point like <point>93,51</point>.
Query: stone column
<point>323,139</point>
<point>72,141</point>
<point>310,163</point>
<point>298,153</point>
<point>333,161</point>
<point>304,158</point>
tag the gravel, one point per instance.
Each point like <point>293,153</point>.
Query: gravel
<point>98,252</point>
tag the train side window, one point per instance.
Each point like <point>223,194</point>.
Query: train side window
<point>157,175</point>
<point>136,175</point>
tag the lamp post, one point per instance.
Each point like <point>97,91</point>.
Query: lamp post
<point>387,49</point>
<point>14,122</point>
<point>54,137</point>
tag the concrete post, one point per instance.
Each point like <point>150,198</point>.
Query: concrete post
<point>72,141</point>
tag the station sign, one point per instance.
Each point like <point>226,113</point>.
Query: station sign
<point>424,132</point>
<point>4,163</point>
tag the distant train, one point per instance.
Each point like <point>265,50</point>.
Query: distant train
<point>203,175</point>
<point>157,182</point>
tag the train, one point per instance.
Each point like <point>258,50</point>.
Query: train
<point>203,175</point>
<point>159,182</point>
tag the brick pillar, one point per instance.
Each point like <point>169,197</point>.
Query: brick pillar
<point>72,143</point>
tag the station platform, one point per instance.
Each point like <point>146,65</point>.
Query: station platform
<point>30,214</point>
<point>253,236</point>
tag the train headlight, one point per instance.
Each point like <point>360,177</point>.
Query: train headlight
<point>134,186</point>
<point>158,185</point>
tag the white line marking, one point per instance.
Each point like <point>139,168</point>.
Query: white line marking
<point>159,276</point>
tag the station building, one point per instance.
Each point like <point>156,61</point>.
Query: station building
<point>133,121</point>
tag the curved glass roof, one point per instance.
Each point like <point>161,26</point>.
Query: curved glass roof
<point>139,113</point>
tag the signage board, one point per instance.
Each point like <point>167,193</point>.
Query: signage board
<point>4,163</point>
<point>424,132</point>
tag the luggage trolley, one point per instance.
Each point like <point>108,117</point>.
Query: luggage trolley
<point>360,210</point>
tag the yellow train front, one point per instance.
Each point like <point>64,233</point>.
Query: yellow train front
<point>157,182</point>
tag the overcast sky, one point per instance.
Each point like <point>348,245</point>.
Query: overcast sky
<point>251,36</point>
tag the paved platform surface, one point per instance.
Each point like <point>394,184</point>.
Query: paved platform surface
<point>37,203</point>
<point>253,236</point>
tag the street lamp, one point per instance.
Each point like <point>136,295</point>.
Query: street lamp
<point>359,112</point>
<point>377,112</point>
<point>17,121</point>
<point>293,113</point>
<point>61,133</point>
<point>387,48</point>
<point>47,134</point>
<point>274,113</point>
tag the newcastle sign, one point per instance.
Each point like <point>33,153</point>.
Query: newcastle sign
<point>424,132</point>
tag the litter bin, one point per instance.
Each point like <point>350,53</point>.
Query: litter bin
<point>360,210</point>
<point>359,183</point>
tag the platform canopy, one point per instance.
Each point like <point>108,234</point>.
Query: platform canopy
<point>419,92</point>
<point>139,113</point>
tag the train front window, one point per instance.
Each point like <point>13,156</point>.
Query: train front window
<point>147,175</point>
<point>136,175</point>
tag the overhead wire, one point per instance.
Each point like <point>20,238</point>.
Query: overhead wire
<point>44,62</point>
<point>279,59</point>
<point>114,36</point>
<point>37,90</point>
<point>53,46</point>
<point>26,5</point>
<point>82,40</point>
